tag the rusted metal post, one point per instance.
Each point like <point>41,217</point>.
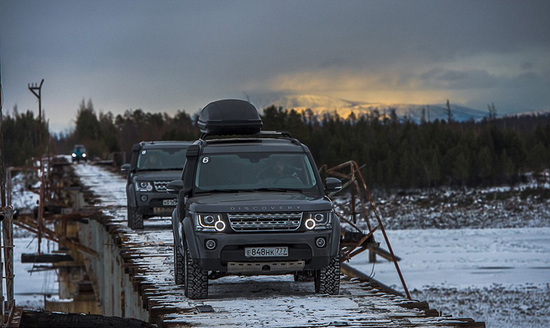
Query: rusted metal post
<point>353,212</point>
<point>354,182</point>
<point>7,305</point>
<point>7,245</point>
<point>383,231</point>
<point>2,199</point>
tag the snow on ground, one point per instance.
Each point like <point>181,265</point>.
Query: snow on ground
<point>31,284</point>
<point>483,253</point>
<point>488,259</point>
<point>500,276</point>
<point>23,198</point>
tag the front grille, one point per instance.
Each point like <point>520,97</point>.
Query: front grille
<point>160,185</point>
<point>252,222</point>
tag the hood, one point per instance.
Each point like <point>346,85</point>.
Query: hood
<point>157,175</point>
<point>258,202</point>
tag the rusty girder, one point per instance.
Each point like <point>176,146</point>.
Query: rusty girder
<point>356,242</point>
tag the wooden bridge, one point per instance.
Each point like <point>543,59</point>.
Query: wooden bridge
<point>116,271</point>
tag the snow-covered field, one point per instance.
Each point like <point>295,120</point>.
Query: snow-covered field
<point>488,259</point>
<point>483,254</point>
<point>31,283</point>
<point>499,276</point>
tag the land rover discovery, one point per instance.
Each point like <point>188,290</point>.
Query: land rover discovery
<point>153,165</point>
<point>251,204</point>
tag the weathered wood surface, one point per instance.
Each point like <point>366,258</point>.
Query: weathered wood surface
<point>139,266</point>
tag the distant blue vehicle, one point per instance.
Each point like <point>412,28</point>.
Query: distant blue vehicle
<point>79,153</point>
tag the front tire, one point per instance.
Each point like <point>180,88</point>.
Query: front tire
<point>196,279</point>
<point>327,280</point>
<point>135,219</point>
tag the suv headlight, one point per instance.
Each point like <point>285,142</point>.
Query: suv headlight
<point>144,186</point>
<point>318,221</point>
<point>210,222</point>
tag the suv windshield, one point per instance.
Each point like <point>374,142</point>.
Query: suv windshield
<point>79,149</point>
<point>255,171</point>
<point>161,159</point>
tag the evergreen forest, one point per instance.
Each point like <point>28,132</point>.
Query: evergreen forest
<point>394,153</point>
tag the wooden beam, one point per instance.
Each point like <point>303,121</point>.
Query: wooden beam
<point>45,258</point>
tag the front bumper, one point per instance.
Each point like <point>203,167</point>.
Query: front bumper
<point>153,203</point>
<point>229,253</point>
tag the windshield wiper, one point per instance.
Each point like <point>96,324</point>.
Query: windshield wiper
<point>161,169</point>
<point>250,190</point>
<point>277,189</point>
<point>219,190</point>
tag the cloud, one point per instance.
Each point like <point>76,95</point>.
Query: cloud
<point>170,55</point>
<point>438,78</point>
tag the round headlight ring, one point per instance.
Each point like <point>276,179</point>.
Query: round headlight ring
<point>220,226</point>
<point>310,224</point>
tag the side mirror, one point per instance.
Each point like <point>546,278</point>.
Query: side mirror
<point>333,185</point>
<point>125,168</point>
<point>174,186</point>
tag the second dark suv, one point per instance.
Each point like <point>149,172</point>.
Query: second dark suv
<point>153,165</point>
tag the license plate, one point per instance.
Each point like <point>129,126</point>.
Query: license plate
<point>169,202</point>
<point>266,251</point>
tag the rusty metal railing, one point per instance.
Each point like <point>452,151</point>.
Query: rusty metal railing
<point>354,180</point>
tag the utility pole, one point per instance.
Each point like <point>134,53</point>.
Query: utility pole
<point>37,91</point>
<point>2,198</point>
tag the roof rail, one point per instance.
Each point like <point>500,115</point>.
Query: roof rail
<point>275,134</point>
<point>262,134</point>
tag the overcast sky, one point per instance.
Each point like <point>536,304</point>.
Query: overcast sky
<point>164,56</point>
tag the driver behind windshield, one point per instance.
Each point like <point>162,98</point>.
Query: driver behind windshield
<point>277,170</point>
<point>150,161</point>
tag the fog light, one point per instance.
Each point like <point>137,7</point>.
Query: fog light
<point>143,198</point>
<point>210,244</point>
<point>310,224</point>
<point>320,242</point>
<point>220,226</point>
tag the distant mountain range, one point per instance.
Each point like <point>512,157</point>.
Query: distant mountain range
<point>323,104</point>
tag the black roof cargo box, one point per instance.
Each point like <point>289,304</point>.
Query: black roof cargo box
<point>229,116</point>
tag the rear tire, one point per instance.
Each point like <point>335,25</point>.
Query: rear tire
<point>135,219</point>
<point>327,280</point>
<point>179,266</point>
<point>196,279</point>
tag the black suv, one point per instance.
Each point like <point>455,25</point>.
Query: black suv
<point>153,165</point>
<point>252,204</point>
